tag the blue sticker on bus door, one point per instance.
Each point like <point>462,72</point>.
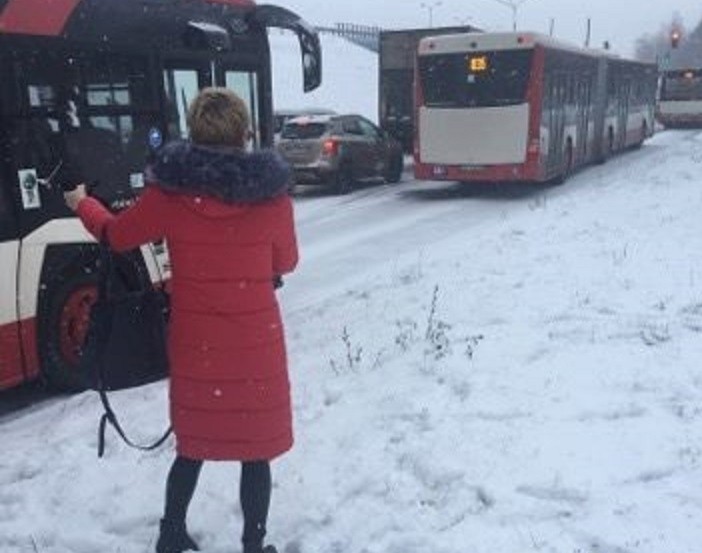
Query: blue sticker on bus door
<point>29,187</point>
<point>155,138</point>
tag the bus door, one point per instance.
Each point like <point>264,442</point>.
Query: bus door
<point>582,102</point>
<point>33,122</point>
<point>623,93</point>
<point>76,116</point>
<point>182,80</point>
<point>556,96</point>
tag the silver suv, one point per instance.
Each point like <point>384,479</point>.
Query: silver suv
<point>339,150</point>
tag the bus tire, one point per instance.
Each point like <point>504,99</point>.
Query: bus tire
<point>607,147</point>
<point>567,169</point>
<point>63,324</point>
<point>644,135</point>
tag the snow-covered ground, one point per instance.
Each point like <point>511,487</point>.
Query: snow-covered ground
<point>528,381</point>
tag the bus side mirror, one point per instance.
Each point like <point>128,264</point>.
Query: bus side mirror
<point>311,59</point>
<point>275,16</point>
<point>206,36</point>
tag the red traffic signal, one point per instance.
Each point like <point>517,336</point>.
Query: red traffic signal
<point>675,38</point>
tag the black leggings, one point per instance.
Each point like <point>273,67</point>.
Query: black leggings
<point>254,495</point>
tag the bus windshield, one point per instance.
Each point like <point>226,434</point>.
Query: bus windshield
<point>477,79</point>
<point>682,85</point>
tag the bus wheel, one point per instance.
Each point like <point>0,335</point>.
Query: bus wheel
<point>607,147</point>
<point>63,326</point>
<point>644,135</point>
<point>567,168</point>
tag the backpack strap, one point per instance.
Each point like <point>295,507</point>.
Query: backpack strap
<point>110,417</point>
<point>105,277</point>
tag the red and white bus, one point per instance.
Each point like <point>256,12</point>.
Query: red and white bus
<point>680,98</point>
<point>93,88</point>
<point>524,107</point>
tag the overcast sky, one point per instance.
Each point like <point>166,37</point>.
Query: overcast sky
<point>619,21</point>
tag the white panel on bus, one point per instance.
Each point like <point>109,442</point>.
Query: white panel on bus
<point>56,231</point>
<point>474,136</point>
<point>8,282</point>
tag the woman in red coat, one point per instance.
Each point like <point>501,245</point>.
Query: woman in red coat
<point>228,222</point>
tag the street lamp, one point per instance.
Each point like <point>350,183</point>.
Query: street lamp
<point>514,6</point>
<point>429,6</point>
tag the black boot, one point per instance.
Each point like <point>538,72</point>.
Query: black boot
<point>174,538</point>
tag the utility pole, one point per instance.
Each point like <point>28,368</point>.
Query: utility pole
<point>429,6</point>
<point>513,5</point>
<point>588,33</point>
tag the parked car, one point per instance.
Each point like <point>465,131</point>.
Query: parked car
<point>339,150</point>
<point>282,116</point>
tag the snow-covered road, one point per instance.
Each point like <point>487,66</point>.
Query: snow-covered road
<point>344,236</point>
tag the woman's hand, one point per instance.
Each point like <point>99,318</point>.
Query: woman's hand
<point>74,197</point>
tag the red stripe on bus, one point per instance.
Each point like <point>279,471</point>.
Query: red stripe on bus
<point>30,347</point>
<point>13,369</point>
<point>535,96</point>
<point>36,17</point>
<point>11,372</point>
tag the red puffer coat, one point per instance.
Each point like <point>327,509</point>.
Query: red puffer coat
<point>228,223</point>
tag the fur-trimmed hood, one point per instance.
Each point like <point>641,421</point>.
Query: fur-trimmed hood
<point>233,176</point>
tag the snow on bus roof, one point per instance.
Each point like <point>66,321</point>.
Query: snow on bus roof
<point>465,42</point>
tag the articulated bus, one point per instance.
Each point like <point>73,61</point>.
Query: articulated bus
<point>95,87</point>
<point>680,98</point>
<point>524,107</point>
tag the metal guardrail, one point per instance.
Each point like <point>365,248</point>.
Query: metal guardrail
<point>363,35</point>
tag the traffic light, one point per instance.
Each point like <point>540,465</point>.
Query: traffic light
<point>675,38</point>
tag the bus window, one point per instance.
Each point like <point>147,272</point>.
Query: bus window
<point>112,92</point>
<point>478,79</point>
<point>682,85</point>
<point>117,109</point>
<point>245,85</point>
<point>87,117</point>
<point>181,87</point>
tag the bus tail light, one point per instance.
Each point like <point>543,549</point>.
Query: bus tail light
<point>330,147</point>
